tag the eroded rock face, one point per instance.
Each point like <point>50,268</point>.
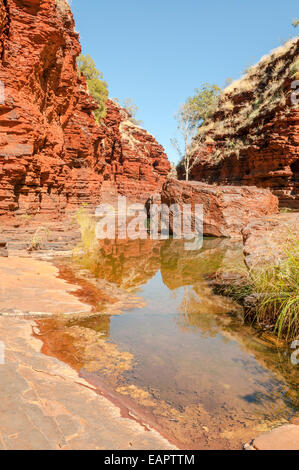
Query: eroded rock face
<point>227,209</point>
<point>134,164</point>
<point>53,155</point>
<point>253,136</point>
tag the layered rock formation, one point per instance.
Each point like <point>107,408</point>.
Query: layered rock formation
<point>53,155</point>
<point>252,138</point>
<point>226,209</point>
<point>133,163</point>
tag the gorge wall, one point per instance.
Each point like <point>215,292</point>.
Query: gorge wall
<point>252,137</point>
<point>53,155</point>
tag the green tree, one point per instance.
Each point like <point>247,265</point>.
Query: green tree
<point>190,116</point>
<point>97,87</point>
<point>199,107</point>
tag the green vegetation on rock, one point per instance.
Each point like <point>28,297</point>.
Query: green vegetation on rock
<point>198,108</point>
<point>97,87</point>
<point>190,117</point>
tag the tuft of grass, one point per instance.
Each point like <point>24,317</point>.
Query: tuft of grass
<point>277,287</point>
<point>39,237</point>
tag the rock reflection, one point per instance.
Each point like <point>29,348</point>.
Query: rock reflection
<point>166,342</point>
<point>126,263</point>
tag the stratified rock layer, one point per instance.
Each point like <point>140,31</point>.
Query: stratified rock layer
<point>253,136</point>
<point>133,163</point>
<point>226,209</point>
<point>53,155</point>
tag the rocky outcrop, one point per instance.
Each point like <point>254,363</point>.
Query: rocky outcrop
<point>53,155</point>
<point>265,239</point>
<point>133,163</point>
<point>252,138</point>
<point>227,209</point>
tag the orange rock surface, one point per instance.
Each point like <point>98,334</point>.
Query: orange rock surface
<point>53,155</point>
<point>253,136</point>
<point>226,209</point>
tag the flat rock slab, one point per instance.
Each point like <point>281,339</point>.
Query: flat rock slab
<point>45,405</point>
<point>283,438</point>
<point>31,287</point>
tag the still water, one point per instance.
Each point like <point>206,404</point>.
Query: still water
<point>165,347</point>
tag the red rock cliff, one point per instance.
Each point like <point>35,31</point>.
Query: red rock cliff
<point>53,155</point>
<point>253,137</point>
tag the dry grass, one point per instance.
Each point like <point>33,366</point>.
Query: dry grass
<point>262,91</point>
<point>86,250</point>
<point>39,238</point>
<point>63,7</point>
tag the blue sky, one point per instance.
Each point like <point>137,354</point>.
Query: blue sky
<point>157,51</point>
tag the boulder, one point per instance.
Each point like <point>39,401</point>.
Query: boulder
<point>227,209</point>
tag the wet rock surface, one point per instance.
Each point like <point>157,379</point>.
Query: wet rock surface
<point>31,287</point>
<point>282,438</point>
<point>45,405</point>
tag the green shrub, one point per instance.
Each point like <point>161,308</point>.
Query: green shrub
<point>97,87</point>
<point>198,108</point>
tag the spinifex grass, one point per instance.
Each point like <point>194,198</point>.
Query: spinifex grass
<point>277,287</point>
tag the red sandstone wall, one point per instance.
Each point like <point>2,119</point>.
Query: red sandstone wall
<point>253,137</point>
<point>53,155</point>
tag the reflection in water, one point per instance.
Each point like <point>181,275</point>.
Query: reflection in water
<point>160,339</point>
